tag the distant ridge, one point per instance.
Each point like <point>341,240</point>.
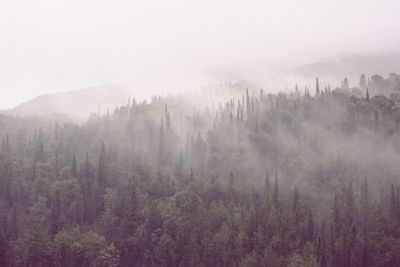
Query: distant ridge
<point>350,66</point>
<point>77,103</point>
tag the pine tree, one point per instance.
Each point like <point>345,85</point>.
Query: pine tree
<point>317,86</point>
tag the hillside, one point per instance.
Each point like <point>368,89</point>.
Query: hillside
<point>73,103</point>
<point>289,179</point>
<point>351,66</point>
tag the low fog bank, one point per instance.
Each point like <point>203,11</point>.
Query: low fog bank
<point>331,72</point>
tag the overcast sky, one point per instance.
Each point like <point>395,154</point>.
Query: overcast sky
<point>56,45</point>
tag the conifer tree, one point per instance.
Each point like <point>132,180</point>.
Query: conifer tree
<point>161,143</point>
<point>55,213</point>
<point>167,119</point>
<point>267,185</point>
<point>276,190</point>
<point>336,218</point>
<point>295,206</point>
<point>39,154</point>
<point>248,107</point>
<point>363,82</point>
<point>102,168</point>
<point>310,227</point>
<point>345,85</point>
<point>74,168</point>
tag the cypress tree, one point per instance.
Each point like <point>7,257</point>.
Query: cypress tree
<point>167,119</point>
<point>363,82</point>
<point>248,108</point>
<point>102,168</point>
<point>13,224</point>
<point>267,184</point>
<point>295,203</point>
<point>276,190</point>
<point>345,85</point>
<point>55,213</point>
<point>74,168</point>
<point>7,146</point>
<point>310,227</point>
<point>335,218</point>
<point>376,119</point>
<point>231,181</point>
<point>393,202</point>
<point>39,154</point>
<point>161,143</point>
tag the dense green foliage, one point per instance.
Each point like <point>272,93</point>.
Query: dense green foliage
<point>258,180</point>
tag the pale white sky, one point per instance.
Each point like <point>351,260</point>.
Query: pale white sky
<point>55,45</point>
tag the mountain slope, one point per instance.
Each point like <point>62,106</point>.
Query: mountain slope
<point>350,66</point>
<point>74,103</point>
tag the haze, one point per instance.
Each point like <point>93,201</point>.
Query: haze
<point>49,46</point>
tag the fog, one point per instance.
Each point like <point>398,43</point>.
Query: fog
<point>50,46</point>
<point>210,133</point>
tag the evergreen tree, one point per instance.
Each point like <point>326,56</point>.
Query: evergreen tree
<point>310,227</point>
<point>39,154</point>
<point>276,190</point>
<point>363,82</point>
<point>74,168</point>
<point>102,167</point>
<point>267,186</point>
<point>167,119</point>
<point>161,143</point>
<point>55,214</point>
<point>345,85</point>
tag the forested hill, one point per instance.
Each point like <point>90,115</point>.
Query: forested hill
<point>306,178</point>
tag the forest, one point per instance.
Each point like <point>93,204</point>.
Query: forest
<point>229,176</point>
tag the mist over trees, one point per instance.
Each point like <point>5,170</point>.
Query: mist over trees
<point>231,176</point>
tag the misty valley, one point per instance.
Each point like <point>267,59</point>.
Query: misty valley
<point>229,176</point>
